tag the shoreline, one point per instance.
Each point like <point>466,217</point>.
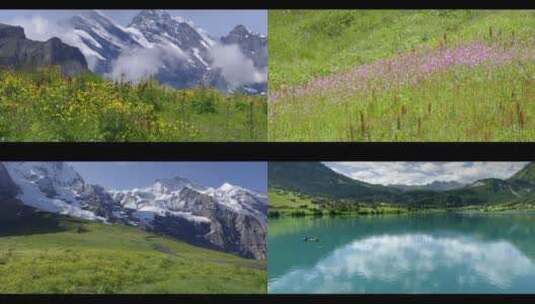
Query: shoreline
<point>462,210</point>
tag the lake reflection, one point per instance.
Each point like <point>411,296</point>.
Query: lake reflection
<point>426,260</point>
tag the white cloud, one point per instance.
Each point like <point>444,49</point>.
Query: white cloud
<point>38,28</point>
<point>419,173</point>
<point>236,68</point>
<point>142,63</point>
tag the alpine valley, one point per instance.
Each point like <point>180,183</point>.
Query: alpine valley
<point>172,236</point>
<point>301,188</point>
<point>419,228</point>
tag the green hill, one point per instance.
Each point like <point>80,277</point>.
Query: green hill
<point>45,253</point>
<point>365,75</point>
<point>43,105</point>
<point>316,178</point>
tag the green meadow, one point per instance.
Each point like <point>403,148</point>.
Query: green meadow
<point>401,75</point>
<point>290,203</point>
<point>52,254</point>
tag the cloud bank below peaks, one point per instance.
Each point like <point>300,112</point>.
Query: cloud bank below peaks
<point>235,67</point>
<point>142,63</point>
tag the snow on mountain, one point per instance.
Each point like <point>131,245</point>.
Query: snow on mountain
<point>159,199</point>
<point>164,198</point>
<point>242,200</point>
<point>99,38</point>
<point>157,26</point>
<point>170,48</point>
<point>228,218</point>
<point>50,186</point>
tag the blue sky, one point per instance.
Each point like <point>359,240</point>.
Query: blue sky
<point>419,173</point>
<point>216,22</point>
<point>128,175</point>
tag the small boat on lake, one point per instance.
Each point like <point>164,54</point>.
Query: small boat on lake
<point>310,239</point>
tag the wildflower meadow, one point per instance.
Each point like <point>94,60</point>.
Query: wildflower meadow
<point>445,76</point>
<point>47,106</point>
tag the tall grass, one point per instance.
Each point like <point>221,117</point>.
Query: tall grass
<point>45,106</point>
<point>415,76</point>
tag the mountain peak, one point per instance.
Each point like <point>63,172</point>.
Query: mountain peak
<point>152,19</point>
<point>240,29</point>
<point>52,52</point>
<point>154,14</point>
<point>172,180</point>
<point>176,183</point>
<point>11,31</point>
<point>227,187</point>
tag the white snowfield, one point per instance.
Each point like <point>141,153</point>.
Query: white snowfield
<point>64,180</point>
<point>239,199</point>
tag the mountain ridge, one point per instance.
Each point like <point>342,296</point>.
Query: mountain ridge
<point>432,186</point>
<point>488,191</point>
<point>229,218</point>
<point>181,53</point>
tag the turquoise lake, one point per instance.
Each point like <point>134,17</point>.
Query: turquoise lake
<point>426,253</point>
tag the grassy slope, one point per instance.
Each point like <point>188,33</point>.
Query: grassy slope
<point>43,106</point>
<point>466,105</point>
<point>324,42</point>
<point>116,259</point>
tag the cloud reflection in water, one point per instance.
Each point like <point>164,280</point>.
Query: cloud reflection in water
<point>411,263</point>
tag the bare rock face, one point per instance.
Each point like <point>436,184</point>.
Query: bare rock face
<point>240,233</point>
<point>8,189</point>
<point>243,234</point>
<point>18,52</point>
<point>97,200</point>
<point>230,218</point>
<point>11,32</point>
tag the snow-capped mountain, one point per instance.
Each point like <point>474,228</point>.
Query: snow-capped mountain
<point>50,187</point>
<point>172,49</point>
<point>228,218</point>
<point>56,187</point>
